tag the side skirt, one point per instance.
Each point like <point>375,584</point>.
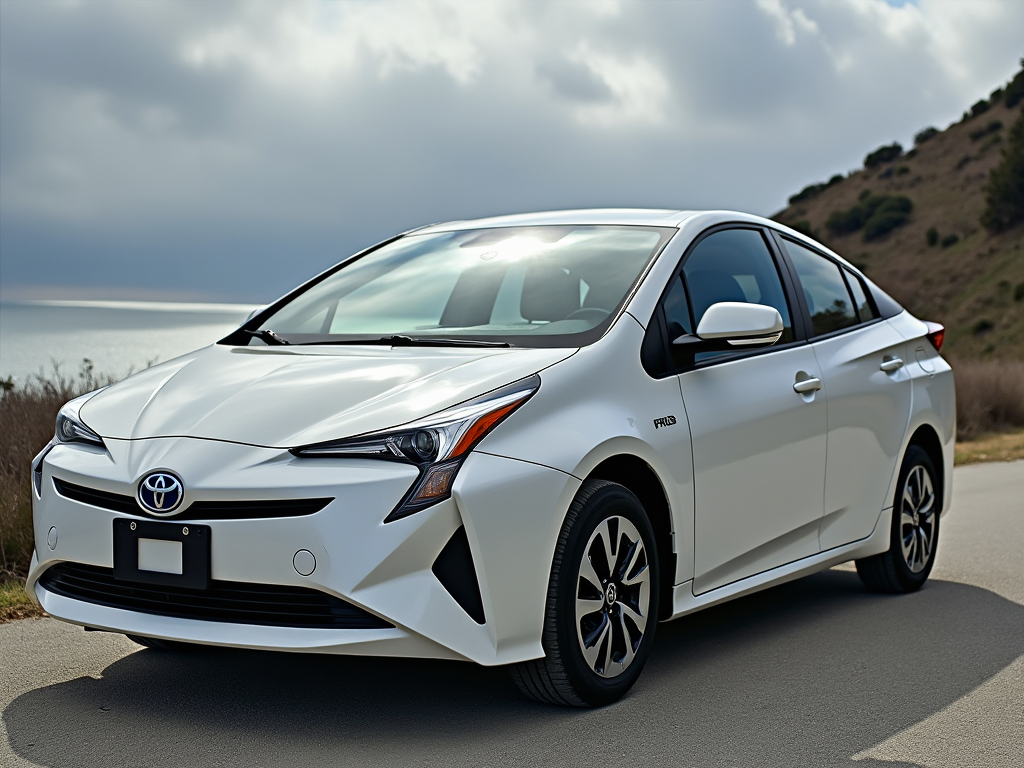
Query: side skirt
<point>684,601</point>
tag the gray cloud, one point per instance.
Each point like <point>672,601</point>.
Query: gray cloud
<point>233,149</point>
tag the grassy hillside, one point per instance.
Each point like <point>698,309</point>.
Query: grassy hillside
<point>975,285</point>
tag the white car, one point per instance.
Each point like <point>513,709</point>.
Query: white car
<point>520,441</point>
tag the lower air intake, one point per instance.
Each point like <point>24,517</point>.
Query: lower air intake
<point>233,602</point>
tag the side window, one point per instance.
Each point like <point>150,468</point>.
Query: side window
<point>828,299</point>
<point>734,265</point>
<point>860,297</point>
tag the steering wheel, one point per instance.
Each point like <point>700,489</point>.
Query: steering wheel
<point>592,314</point>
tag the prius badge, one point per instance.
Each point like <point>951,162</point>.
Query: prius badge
<point>160,493</point>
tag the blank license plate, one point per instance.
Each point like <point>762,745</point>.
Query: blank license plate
<point>160,556</point>
<point>167,554</point>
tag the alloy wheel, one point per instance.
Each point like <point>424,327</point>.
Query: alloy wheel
<point>613,596</point>
<point>917,519</point>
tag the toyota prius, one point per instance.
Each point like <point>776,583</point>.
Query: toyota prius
<point>519,441</point>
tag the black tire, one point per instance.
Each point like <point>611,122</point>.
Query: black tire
<point>172,646</point>
<point>893,571</point>
<point>564,676</point>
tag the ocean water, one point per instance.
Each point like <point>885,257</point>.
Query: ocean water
<point>116,336</point>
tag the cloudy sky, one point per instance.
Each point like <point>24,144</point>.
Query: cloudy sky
<point>232,149</point>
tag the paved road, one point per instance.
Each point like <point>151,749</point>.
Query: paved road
<point>814,673</point>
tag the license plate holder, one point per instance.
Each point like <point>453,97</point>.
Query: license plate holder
<point>195,553</point>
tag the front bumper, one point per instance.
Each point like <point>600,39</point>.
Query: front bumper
<point>511,510</point>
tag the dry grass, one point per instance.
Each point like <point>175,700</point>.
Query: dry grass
<point>27,416</point>
<point>989,397</point>
<point>15,602</point>
<point>1008,446</point>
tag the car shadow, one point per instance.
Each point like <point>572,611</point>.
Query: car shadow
<point>809,673</point>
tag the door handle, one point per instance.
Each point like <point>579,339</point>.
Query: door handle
<point>890,364</point>
<point>805,386</point>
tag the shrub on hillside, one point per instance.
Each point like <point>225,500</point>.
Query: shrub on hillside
<point>949,240</point>
<point>980,108</point>
<point>877,215</point>
<point>922,136</point>
<point>931,237</point>
<point>993,127</point>
<point>1013,94</point>
<point>884,154</point>
<point>1004,192</point>
<point>813,190</point>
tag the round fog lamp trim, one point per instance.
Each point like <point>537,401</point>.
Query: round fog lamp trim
<point>51,538</point>
<point>303,562</point>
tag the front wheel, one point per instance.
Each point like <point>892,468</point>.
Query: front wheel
<point>915,530</point>
<point>602,602</point>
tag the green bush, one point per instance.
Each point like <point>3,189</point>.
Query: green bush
<point>980,133</point>
<point>891,213</point>
<point>982,327</point>
<point>922,136</point>
<point>845,222</point>
<point>1014,92</point>
<point>1018,292</point>
<point>1004,192</point>
<point>931,237</point>
<point>877,215</point>
<point>813,190</point>
<point>949,240</point>
<point>980,108</point>
<point>903,170</point>
<point>884,154</point>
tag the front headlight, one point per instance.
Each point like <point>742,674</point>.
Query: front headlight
<point>437,444</point>
<point>71,429</point>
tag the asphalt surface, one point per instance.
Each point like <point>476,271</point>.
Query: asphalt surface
<point>814,673</point>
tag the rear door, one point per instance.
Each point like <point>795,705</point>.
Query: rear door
<point>758,445</point>
<point>867,388</point>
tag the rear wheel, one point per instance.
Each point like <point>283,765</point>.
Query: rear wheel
<point>915,530</point>
<point>602,602</point>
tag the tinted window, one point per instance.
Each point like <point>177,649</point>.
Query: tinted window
<point>735,265</point>
<point>828,299</point>
<point>860,298</point>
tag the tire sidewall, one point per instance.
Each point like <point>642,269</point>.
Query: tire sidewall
<point>910,581</point>
<point>608,501</point>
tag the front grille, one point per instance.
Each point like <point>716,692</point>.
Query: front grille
<point>233,602</point>
<point>197,510</point>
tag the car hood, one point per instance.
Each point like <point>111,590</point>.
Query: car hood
<point>279,397</point>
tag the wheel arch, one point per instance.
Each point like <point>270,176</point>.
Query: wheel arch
<point>639,477</point>
<point>927,438</point>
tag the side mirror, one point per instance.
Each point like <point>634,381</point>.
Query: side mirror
<point>730,324</point>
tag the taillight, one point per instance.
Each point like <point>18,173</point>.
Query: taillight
<point>936,335</point>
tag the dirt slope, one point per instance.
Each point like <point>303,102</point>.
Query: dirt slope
<point>975,287</point>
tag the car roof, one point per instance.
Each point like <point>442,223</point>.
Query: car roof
<point>622,216</point>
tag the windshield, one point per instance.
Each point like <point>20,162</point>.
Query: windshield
<point>527,286</point>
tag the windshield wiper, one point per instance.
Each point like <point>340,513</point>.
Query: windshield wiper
<point>269,337</point>
<point>429,341</point>
<point>410,341</point>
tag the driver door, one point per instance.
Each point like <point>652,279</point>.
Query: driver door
<point>758,445</point>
